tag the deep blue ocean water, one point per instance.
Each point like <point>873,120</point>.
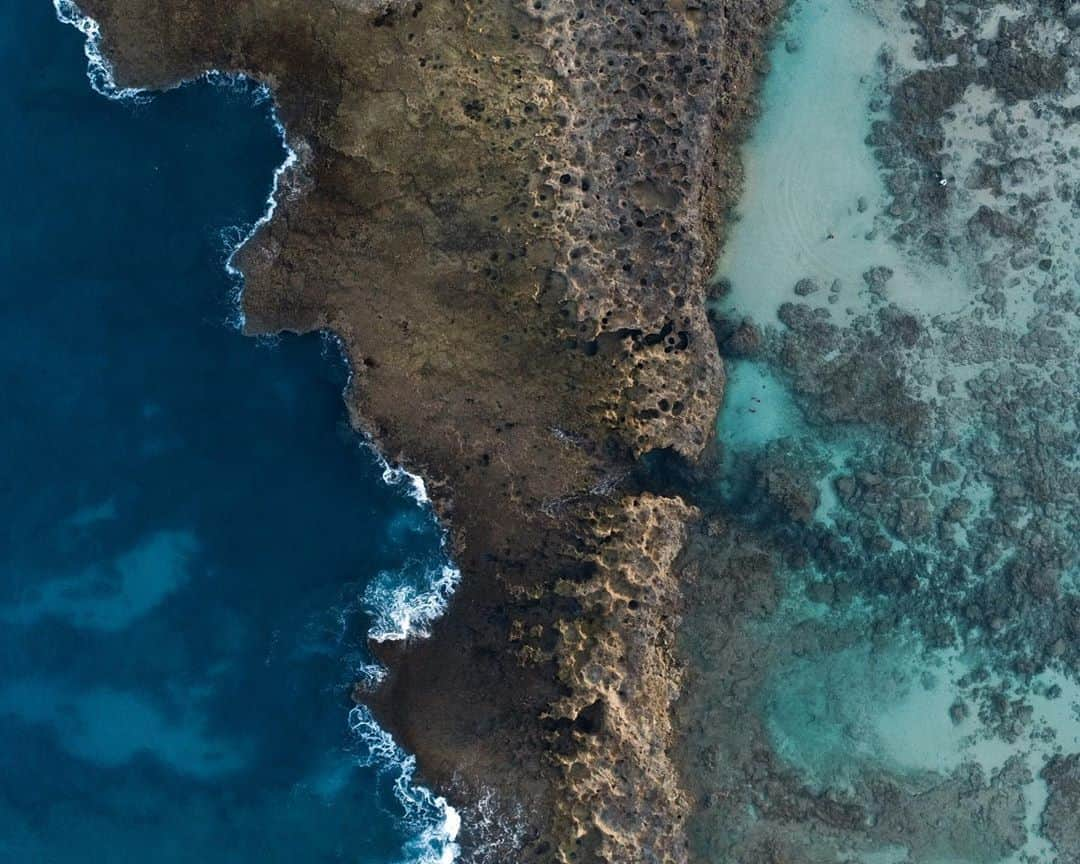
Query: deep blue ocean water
<point>188,525</point>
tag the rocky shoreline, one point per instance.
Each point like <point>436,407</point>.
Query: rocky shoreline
<point>509,214</point>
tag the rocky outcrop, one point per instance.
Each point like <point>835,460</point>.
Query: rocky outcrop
<point>508,212</point>
<point>613,729</point>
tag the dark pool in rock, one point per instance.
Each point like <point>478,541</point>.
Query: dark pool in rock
<point>190,529</point>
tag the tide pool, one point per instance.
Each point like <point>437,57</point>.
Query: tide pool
<point>758,408</point>
<point>190,528</point>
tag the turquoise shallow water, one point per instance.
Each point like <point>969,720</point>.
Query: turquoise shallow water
<point>194,544</point>
<point>911,644</point>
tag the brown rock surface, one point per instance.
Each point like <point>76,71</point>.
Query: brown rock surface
<point>508,212</point>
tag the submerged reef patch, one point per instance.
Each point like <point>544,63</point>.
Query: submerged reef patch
<point>908,680</point>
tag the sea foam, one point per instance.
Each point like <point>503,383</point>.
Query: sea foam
<point>404,606</point>
<point>282,174</point>
<point>437,823</point>
<point>98,69</point>
<point>395,475</point>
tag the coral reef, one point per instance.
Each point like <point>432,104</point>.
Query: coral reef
<point>926,494</point>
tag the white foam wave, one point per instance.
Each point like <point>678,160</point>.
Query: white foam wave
<point>437,823</point>
<point>403,604</point>
<point>281,175</point>
<point>496,831</point>
<point>98,69</point>
<point>403,609</point>
<point>369,676</point>
<point>395,475</point>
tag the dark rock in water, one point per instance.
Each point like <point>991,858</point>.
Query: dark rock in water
<point>936,43</point>
<point>744,340</point>
<point>1017,71</point>
<point>993,223</point>
<point>985,176</point>
<point>912,518</point>
<point>902,327</point>
<point>876,278</point>
<point>719,288</point>
<point>934,246</point>
<point>805,287</point>
<point>969,817</point>
<point>1061,818</point>
<point>958,510</point>
<point>785,481</point>
<point>921,100</point>
<point>845,487</point>
<point>820,592</point>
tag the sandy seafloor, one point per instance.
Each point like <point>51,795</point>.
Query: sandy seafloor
<point>901,452</point>
<point>195,545</point>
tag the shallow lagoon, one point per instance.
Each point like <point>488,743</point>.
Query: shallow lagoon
<point>862,699</point>
<point>813,191</point>
<point>189,524</point>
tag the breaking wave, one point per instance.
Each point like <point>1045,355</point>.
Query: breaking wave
<point>281,175</point>
<point>395,475</point>
<point>98,69</point>
<point>404,604</point>
<point>436,823</point>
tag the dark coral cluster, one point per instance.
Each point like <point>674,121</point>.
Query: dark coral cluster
<point>508,213</point>
<point>930,490</point>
